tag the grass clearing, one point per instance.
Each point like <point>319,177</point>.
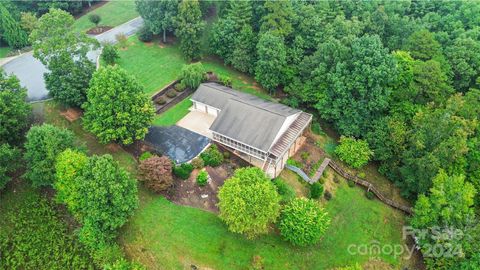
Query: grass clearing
<point>174,114</point>
<point>156,65</point>
<point>4,51</point>
<point>164,235</point>
<point>112,13</point>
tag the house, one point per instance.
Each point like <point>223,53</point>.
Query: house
<point>263,133</point>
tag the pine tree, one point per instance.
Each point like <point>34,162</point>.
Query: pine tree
<point>241,13</point>
<point>244,55</point>
<point>10,29</point>
<point>189,28</point>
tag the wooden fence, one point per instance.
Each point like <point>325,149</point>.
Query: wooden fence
<point>357,180</point>
<point>338,169</point>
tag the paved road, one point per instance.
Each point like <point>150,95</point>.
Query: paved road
<point>30,71</point>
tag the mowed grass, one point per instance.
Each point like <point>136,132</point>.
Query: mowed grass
<point>156,65</point>
<point>4,51</point>
<point>174,114</point>
<point>163,235</point>
<point>113,13</point>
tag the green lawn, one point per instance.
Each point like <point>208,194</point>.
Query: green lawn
<point>155,66</point>
<point>112,13</point>
<point>4,51</point>
<point>174,114</point>
<point>165,235</point>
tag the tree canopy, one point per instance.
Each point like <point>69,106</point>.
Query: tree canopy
<point>249,202</point>
<point>117,109</point>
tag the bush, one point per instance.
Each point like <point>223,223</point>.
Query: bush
<point>123,264</point>
<point>316,190</point>
<point>212,156</point>
<point>107,255</point>
<point>110,54</point>
<point>95,19</point>
<point>351,183</point>
<point>160,101</point>
<point>171,94</point>
<point>179,87</point>
<point>9,163</point>
<point>122,40</point>
<point>43,145</point>
<point>183,171</point>
<point>192,75</point>
<point>248,202</point>
<point>226,155</point>
<point>286,192</point>
<point>145,155</point>
<point>362,175</point>
<point>202,178</point>
<point>316,129</point>
<point>327,195</point>
<point>156,173</point>
<point>293,162</point>
<point>303,222</point>
<point>370,195</point>
<point>336,178</point>
<point>198,163</point>
<point>225,80</point>
<point>144,34</point>
<point>356,153</point>
<point>304,155</point>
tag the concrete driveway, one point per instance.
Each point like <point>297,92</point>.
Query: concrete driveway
<point>30,71</point>
<point>197,122</point>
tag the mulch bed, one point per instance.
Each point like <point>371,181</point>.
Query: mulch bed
<point>98,30</point>
<point>189,193</point>
<point>71,114</point>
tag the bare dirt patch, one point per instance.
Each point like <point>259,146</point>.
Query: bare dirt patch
<point>98,30</point>
<point>71,114</point>
<point>113,147</point>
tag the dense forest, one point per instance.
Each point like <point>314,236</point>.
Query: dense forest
<point>401,75</point>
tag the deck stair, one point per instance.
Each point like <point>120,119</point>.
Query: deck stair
<point>289,136</point>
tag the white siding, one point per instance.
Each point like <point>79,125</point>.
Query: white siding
<point>198,106</point>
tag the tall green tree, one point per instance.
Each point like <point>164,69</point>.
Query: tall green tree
<point>464,57</point>
<point>449,204</point>
<point>107,196</point>
<point>159,16</point>
<point>278,18</point>
<point>117,108</point>
<point>422,45</point>
<point>240,12</point>
<point>64,51</point>
<point>437,140</point>
<point>272,61</point>
<point>355,84</point>
<point>222,39</point>
<point>249,202</point>
<point>189,28</point>
<point>14,109</point>
<point>43,145</point>
<point>244,54</point>
<point>10,29</point>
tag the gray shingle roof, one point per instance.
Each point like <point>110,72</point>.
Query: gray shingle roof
<point>244,117</point>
